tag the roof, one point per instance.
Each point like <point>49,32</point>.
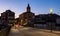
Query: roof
<point>8,11</point>
<point>26,13</point>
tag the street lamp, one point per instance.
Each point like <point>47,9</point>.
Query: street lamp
<point>51,11</point>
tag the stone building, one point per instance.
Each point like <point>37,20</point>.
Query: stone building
<point>7,17</point>
<point>45,21</point>
<point>25,17</point>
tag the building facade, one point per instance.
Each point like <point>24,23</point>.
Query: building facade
<point>26,16</point>
<point>58,23</point>
<point>0,20</point>
<point>45,21</point>
<point>7,17</point>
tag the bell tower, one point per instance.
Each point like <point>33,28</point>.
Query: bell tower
<point>28,8</point>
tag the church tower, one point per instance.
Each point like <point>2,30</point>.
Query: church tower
<point>28,8</point>
<point>26,16</point>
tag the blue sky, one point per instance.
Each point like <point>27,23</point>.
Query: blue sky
<point>37,6</point>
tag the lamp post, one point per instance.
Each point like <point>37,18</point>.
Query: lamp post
<point>51,11</point>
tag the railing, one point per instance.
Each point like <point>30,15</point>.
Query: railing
<point>5,31</point>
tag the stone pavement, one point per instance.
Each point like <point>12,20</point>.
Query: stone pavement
<point>28,31</point>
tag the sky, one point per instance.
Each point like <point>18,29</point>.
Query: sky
<point>37,6</point>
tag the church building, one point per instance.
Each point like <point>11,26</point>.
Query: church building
<point>25,17</point>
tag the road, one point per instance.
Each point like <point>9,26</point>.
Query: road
<point>28,31</point>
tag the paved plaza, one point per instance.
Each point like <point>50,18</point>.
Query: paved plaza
<point>28,31</point>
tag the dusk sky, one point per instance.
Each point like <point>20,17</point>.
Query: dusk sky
<point>37,6</point>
